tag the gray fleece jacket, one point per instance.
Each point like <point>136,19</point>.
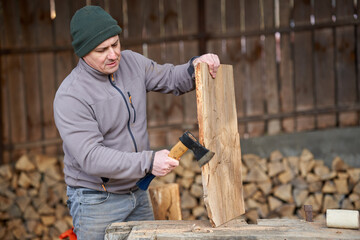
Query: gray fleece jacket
<point>102,121</point>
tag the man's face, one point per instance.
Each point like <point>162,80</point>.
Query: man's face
<point>106,56</point>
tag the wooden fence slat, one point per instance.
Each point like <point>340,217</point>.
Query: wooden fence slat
<point>30,73</point>
<point>190,16</point>
<point>174,108</point>
<point>358,63</point>
<point>235,56</point>
<point>64,63</point>
<point>5,114</point>
<point>271,84</point>
<point>345,10</point>
<point>47,75</point>
<point>285,13</point>
<point>323,11</point>
<point>302,11</point>
<point>14,83</point>
<point>5,123</point>
<point>269,13</point>
<point>324,75</point>
<point>345,63</point>
<point>156,113</point>
<point>190,50</point>
<point>232,15</point>
<point>254,57</point>
<point>303,63</point>
<point>303,79</point>
<point>346,75</point>
<point>270,69</point>
<point>135,20</point>
<point>286,82</point>
<point>213,16</point>
<point>116,11</point>
<point>324,50</point>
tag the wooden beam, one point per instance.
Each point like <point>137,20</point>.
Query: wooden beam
<point>218,131</point>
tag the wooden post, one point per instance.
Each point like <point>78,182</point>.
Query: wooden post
<point>218,131</point>
<point>166,201</point>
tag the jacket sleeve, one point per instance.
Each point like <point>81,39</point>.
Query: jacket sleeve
<point>166,78</point>
<point>83,140</point>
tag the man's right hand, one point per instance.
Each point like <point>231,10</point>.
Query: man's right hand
<point>163,164</point>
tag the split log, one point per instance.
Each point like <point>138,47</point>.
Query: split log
<point>166,201</point>
<point>218,131</point>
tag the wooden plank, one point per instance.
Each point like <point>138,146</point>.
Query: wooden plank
<point>14,82</point>
<point>270,70</point>
<point>218,131</point>
<point>302,12</point>
<point>346,63</point>
<point>324,49</point>
<point>236,57</point>
<point>116,11</point>
<point>189,12</point>
<point>30,73</point>
<point>323,11</point>
<point>191,49</point>
<point>213,16</point>
<point>190,9</point>
<point>270,229</point>
<point>135,18</point>
<point>286,82</point>
<point>345,73</point>
<point>285,13</point>
<point>174,105</point>
<point>345,10</point>
<point>303,62</point>
<point>286,67</point>
<point>232,15</point>
<point>5,108</point>
<point>254,59</point>
<point>47,80</point>
<point>156,113</point>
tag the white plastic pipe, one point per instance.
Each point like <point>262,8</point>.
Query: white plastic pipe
<point>338,218</point>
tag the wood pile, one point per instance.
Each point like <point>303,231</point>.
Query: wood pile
<point>276,187</point>
<point>33,191</point>
<point>279,187</point>
<point>33,199</point>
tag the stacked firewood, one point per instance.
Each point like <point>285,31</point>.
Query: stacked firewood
<point>33,191</point>
<point>33,199</point>
<point>278,187</point>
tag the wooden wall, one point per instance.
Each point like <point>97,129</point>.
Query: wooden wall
<point>295,63</point>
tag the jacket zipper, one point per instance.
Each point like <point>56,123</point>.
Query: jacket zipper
<point>112,81</point>
<point>132,106</point>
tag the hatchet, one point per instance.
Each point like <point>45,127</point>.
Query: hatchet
<point>186,141</point>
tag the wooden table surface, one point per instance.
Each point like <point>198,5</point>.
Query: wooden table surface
<point>269,229</point>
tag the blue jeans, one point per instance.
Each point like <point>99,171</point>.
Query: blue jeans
<point>92,211</point>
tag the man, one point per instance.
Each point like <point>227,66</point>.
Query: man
<point>100,112</point>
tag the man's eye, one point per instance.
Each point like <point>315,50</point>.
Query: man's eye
<point>115,44</point>
<point>100,50</point>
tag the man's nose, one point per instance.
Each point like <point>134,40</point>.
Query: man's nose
<point>112,54</point>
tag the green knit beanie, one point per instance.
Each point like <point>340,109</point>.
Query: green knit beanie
<point>90,26</point>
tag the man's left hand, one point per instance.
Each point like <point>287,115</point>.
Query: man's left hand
<point>212,60</point>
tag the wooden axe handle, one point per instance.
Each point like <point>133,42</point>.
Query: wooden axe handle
<point>178,150</point>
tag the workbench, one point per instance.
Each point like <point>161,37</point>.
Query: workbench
<point>270,229</point>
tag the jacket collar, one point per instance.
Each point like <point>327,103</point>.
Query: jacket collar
<point>92,71</point>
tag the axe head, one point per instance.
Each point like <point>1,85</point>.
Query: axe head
<point>202,154</point>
